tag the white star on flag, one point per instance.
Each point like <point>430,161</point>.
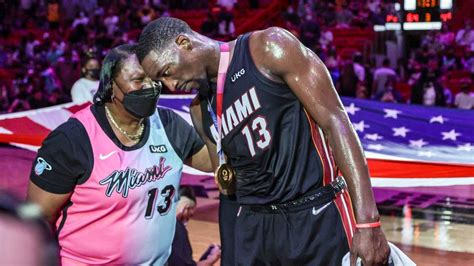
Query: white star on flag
<point>452,135</point>
<point>465,147</point>
<point>360,126</point>
<point>418,143</point>
<point>376,147</point>
<point>351,109</point>
<point>391,113</point>
<point>400,131</point>
<point>440,119</point>
<point>425,153</point>
<point>373,137</point>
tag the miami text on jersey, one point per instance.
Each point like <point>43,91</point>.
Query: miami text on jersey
<point>122,181</point>
<point>242,108</point>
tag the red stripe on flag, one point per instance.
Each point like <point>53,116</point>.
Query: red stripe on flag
<point>76,108</point>
<point>24,125</point>
<point>400,169</point>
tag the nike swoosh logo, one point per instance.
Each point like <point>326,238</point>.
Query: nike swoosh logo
<point>103,157</point>
<point>317,211</point>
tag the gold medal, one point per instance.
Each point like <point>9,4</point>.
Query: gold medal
<point>225,179</point>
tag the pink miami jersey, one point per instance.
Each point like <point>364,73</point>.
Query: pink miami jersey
<point>125,213</point>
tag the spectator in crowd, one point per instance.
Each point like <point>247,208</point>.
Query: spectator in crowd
<point>381,75</point>
<point>359,69</point>
<point>343,17</point>
<point>445,37</point>
<point>468,60</point>
<point>427,91</point>
<point>111,22</point>
<point>362,92</point>
<point>4,97</point>
<point>210,26</point>
<point>309,32</point>
<point>450,61</point>
<point>465,36</point>
<point>38,99</point>
<point>332,63</point>
<point>226,23</point>
<point>68,69</point>
<point>84,89</point>
<point>227,4</point>
<point>21,102</point>
<point>82,19</point>
<point>146,15</point>
<point>448,95</point>
<point>464,99</point>
<point>326,39</point>
<point>50,78</point>
<point>416,73</point>
<point>181,252</point>
<point>389,94</point>
<point>349,80</point>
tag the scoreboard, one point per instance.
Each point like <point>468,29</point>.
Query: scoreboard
<point>420,15</point>
<point>427,11</point>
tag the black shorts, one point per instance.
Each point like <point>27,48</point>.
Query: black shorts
<point>228,208</point>
<point>306,235</point>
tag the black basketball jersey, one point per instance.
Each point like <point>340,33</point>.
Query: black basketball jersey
<point>269,139</point>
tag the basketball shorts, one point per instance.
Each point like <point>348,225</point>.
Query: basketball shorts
<point>308,234</point>
<point>228,208</point>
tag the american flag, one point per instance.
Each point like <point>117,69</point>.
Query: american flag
<point>413,133</point>
<point>405,145</point>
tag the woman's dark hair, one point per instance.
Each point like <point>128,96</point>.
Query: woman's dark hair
<point>111,66</point>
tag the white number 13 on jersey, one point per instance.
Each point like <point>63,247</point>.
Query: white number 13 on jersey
<point>259,125</point>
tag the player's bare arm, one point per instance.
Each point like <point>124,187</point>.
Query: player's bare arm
<point>49,203</point>
<point>200,160</point>
<point>196,117</point>
<point>281,57</point>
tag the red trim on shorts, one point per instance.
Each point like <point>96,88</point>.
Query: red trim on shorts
<point>342,201</point>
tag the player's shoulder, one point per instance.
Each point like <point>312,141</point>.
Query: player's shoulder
<point>272,38</point>
<point>272,48</point>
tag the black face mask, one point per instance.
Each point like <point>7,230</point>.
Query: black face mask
<point>141,103</point>
<point>93,73</point>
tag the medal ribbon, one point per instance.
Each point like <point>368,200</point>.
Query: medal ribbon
<point>223,65</point>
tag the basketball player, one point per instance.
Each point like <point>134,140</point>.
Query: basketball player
<point>281,123</point>
<point>113,171</point>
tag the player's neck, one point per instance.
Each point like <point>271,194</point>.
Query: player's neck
<point>214,57</point>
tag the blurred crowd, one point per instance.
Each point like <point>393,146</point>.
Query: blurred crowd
<point>437,72</point>
<point>50,50</point>
<point>48,46</point>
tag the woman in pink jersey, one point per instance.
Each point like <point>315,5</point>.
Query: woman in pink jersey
<point>107,179</point>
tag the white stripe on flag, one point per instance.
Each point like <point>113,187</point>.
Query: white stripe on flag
<point>421,182</point>
<point>51,119</point>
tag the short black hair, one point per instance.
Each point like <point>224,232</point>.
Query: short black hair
<point>111,66</point>
<point>158,34</point>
